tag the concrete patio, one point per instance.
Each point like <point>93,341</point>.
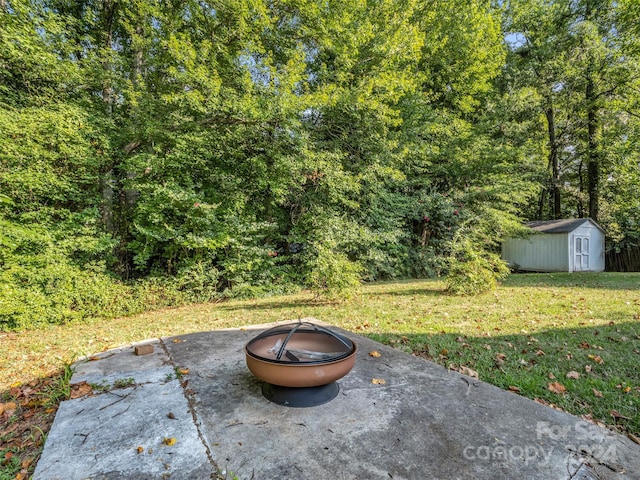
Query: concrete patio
<point>192,410</point>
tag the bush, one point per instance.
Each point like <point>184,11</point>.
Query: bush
<point>473,270</point>
<point>42,283</point>
<point>51,290</point>
<point>332,275</point>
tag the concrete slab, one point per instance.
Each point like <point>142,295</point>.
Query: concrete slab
<point>124,429</point>
<point>423,422</point>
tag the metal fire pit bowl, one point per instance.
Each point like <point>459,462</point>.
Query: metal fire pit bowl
<point>300,363</point>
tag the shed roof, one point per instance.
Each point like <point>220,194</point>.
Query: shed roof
<point>559,226</point>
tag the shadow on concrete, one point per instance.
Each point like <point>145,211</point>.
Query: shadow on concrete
<point>605,358</point>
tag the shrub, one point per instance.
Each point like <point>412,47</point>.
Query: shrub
<point>332,275</point>
<point>45,290</point>
<point>473,270</point>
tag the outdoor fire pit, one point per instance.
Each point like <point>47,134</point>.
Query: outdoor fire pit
<point>300,363</point>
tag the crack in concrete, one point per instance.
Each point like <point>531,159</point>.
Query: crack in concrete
<point>190,401</point>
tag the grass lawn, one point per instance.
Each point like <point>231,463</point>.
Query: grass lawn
<point>568,340</point>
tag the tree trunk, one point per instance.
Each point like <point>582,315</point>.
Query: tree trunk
<point>131,196</point>
<point>553,161</point>
<point>580,190</point>
<point>108,179</point>
<point>541,203</point>
<point>106,207</point>
<point>593,161</point>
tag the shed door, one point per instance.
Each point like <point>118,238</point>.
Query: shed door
<point>582,253</point>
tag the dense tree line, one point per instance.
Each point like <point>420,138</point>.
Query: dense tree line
<point>154,152</point>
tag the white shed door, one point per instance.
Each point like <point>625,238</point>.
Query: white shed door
<point>582,253</point>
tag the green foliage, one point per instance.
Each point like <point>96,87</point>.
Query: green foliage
<point>162,153</point>
<point>332,275</point>
<point>472,271</point>
<point>40,284</point>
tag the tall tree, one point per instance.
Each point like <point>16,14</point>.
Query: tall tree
<point>574,55</point>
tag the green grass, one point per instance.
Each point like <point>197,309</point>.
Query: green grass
<point>530,332</point>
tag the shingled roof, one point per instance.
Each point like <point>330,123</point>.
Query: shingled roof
<point>559,226</point>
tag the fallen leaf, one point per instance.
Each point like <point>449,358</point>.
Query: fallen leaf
<point>500,358</point>
<point>557,387</point>
<point>584,345</point>
<point>513,388</point>
<point>627,390</point>
<point>587,368</point>
<point>375,354</point>
<point>597,393</point>
<point>94,358</point>
<point>378,381</point>
<point>468,372</point>
<point>171,416</point>
<point>183,371</point>
<point>596,358</point>
<point>177,340</point>
<point>540,353</point>
<point>80,390</point>
<point>573,374</point>
<point>26,462</point>
<point>615,414</point>
<point>9,408</point>
<point>633,438</point>
<point>169,441</point>
<point>140,449</point>
<point>551,376</point>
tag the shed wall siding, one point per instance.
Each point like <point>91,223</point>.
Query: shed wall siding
<point>541,252</point>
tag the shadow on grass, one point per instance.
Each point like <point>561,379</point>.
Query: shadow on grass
<point>604,280</point>
<point>275,305</point>
<point>595,368</point>
<point>426,292</point>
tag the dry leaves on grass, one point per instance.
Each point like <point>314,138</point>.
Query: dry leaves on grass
<point>8,408</point>
<point>24,422</point>
<point>557,387</point>
<point>596,358</point>
<point>616,414</point>
<point>468,372</point>
<point>573,375</point>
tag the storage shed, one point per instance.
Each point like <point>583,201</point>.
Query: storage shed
<point>573,245</point>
